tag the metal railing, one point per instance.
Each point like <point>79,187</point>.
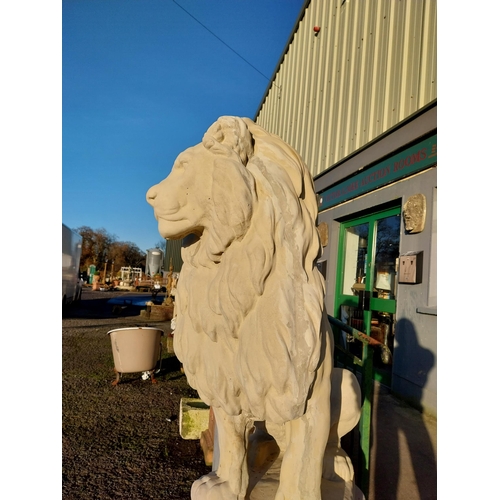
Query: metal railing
<point>363,367</point>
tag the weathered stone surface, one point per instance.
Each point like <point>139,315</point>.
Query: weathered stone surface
<point>251,327</point>
<point>193,418</point>
<point>207,439</point>
<point>323,233</point>
<point>170,343</point>
<point>158,312</point>
<point>414,212</point>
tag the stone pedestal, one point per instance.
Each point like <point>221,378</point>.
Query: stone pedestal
<point>265,458</point>
<point>170,343</point>
<point>193,418</point>
<point>158,312</point>
<point>264,482</point>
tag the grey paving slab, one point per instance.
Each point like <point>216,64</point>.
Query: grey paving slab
<point>404,450</point>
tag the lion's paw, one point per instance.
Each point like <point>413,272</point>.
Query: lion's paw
<point>212,487</point>
<point>343,468</point>
<point>337,465</point>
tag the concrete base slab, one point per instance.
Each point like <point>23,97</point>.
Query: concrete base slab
<point>264,485</point>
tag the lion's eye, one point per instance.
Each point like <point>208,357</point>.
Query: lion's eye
<point>181,165</point>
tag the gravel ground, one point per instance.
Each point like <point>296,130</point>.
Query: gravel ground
<point>123,441</point>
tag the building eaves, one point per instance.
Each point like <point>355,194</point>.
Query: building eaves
<point>283,54</point>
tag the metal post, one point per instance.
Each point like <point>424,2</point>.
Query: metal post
<point>366,362</point>
<point>366,418</point>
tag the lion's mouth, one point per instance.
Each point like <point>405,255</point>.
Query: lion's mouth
<point>171,215</point>
<point>177,228</point>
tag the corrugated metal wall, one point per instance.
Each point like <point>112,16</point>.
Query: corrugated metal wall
<point>373,63</point>
<point>173,251</point>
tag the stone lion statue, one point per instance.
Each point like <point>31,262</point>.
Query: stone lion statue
<point>251,328</point>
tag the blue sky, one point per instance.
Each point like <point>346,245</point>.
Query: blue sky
<point>142,81</point>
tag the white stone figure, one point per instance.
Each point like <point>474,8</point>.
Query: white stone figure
<point>251,327</point>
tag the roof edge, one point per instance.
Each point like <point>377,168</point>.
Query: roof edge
<point>283,54</point>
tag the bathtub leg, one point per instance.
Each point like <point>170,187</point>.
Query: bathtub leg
<point>115,382</point>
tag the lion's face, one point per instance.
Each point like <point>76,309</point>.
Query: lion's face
<point>182,201</point>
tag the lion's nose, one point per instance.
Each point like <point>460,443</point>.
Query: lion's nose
<point>151,195</point>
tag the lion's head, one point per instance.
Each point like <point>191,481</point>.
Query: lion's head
<point>204,192</point>
<point>249,296</point>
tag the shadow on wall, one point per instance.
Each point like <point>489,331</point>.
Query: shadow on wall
<point>396,424</point>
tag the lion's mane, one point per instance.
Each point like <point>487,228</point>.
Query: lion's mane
<point>249,295</point>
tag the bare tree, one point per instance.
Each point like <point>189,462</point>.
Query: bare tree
<point>95,245</point>
<point>98,246</point>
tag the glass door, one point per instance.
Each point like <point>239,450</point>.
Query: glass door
<point>366,284</point>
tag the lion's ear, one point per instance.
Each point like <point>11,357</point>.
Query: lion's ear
<point>229,136</point>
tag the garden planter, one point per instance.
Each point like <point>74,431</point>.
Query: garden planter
<point>135,349</point>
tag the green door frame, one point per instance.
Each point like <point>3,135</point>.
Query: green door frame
<point>342,357</point>
<point>376,304</point>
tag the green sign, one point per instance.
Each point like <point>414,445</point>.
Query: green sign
<point>402,164</point>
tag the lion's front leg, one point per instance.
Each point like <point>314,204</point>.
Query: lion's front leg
<point>302,466</point>
<point>233,434</point>
<point>230,481</point>
<point>307,437</point>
